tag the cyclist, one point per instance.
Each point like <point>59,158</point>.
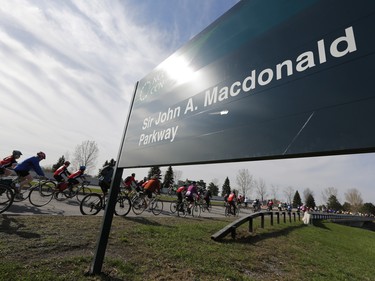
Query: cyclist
<point>207,197</point>
<point>191,194</point>
<point>130,182</point>
<point>105,178</point>
<point>9,163</point>
<point>60,172</point>
<point>73,178</point>
<point>23,171</point>
<point>151,186</point>
<point>232,198</point>
<point>180,193</point>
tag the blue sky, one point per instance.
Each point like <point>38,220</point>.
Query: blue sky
<point>67,73</point>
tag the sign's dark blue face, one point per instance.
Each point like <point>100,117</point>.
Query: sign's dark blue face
<point>269,79</point>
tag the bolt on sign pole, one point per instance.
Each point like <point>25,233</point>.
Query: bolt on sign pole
<point>97,263</point>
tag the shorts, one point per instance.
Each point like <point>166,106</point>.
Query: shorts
<point>59,178</point>
<point>22,173</point>
<point>148,193</point>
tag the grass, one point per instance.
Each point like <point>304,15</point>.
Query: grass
<point>140,248</point>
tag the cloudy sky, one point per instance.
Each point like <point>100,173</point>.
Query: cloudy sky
<point>68,70</point>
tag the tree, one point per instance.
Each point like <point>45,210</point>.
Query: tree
<point>59,163</point>
<point>261,189</point>
<point>226,187</point>
<point>288,192</point>
<point>213,188</point>
<point>274,192</point>
<point>310,201</point>
<point>327,192</point>
<point>306,194</point>
<point>244,181</point>
<point>177,175</point>
<point>346,207</point>
<point>354,198</point>
<point>297,200</point>
<point>333,203</point>
<point>86,154</point>
<point>168,177</point>
<point>155,170</point>
<point>368,209</point>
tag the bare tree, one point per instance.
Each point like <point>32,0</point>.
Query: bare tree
<point>177,175</point>
<point>274,192</point>
<point>354,198</point>
<point>86,154</point>
<point>244,181</point>
<point>328,192</point>
<point>289,192</point>
<point>307,193</point>
<point>261,189</point>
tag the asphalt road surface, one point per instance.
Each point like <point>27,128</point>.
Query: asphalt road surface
<point>70,207</point>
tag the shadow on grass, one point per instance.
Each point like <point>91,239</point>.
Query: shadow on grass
<point>10,225</point>
<point>320,224</point>
<point>143,220</point>
<point>261,236</point>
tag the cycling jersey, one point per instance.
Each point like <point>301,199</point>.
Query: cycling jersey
<point>28,164</point>
<point>7,162</point>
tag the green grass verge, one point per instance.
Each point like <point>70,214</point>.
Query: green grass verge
<point>140,248</point>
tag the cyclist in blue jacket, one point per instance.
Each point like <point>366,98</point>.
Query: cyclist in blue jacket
<point>23,170</point>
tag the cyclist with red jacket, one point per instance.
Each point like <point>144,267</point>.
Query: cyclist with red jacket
<point>60,172</point>
<point>9,163</point>
<point>79,174</point>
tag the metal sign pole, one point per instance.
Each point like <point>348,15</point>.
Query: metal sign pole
<point>97,263</point>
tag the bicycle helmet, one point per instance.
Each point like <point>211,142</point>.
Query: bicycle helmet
<point>16,153</point>
<point>67,163</point>
<point>41,155</point>
<point>82,168</point>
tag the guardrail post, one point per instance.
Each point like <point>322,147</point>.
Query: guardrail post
<point>284,215</point>
<point>262,220</point>
<point>294,217</point>
<point>233,232</point>
<point>278,217</point>
<point>271,218</point>
<point>251,225</point>
<point>299,215</point>
<point>290,216</point>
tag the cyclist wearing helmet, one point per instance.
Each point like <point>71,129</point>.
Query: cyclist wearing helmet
<point>73,178</point>
<point>9,163</point>
<point>62,171</point>
<point>23,169</point>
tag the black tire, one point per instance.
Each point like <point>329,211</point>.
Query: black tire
<point>6,198</point>
<point>123,206</point>
<point>157,207</point>
<point>91,204</point>
<point>39,197</point>
<point>182,209</point>
<point>82,193</point>
<point>173,207</point>
<point>139,205</point>
<point>196,210</point>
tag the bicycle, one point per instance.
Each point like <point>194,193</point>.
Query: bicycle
<point>140,204</point>
<point>42,192</point>
<point>93,203</point>
<point>66,190</point>
<point>230,211</point>
<point>6,197</point>
<point>187,207</point>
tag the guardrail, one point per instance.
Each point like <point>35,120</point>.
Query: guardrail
<point>231,228</point>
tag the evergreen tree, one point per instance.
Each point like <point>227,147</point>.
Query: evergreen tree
<point>155,170</point>
<point>59,163</point>
<point>368,208</point>
<point>297,200</point>
<point>168,178</point>
<point>346,207</point>
<point>310,201</point>
<point>333,203</point>
<point>214,189</point>
<point>226,187</point>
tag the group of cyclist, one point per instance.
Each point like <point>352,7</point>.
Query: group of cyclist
<point>9,166</point>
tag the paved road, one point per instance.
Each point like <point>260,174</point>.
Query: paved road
<point>70,207</point>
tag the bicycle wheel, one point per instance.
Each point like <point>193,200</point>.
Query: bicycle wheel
<point>182,209</point>
<point>22,195</point>
<point>139,205</point>
<point>6,198</point>
<point>82,192</point>
<point>227,211</point>
<point>123,206</point>
<point>48,187</point>
<point>196,211</point>
<point>39,197</point>
<point>156,206</point>
<point>91,204</point>
<point>173,207</point>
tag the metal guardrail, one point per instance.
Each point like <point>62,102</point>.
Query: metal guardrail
<point>231,228</point>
